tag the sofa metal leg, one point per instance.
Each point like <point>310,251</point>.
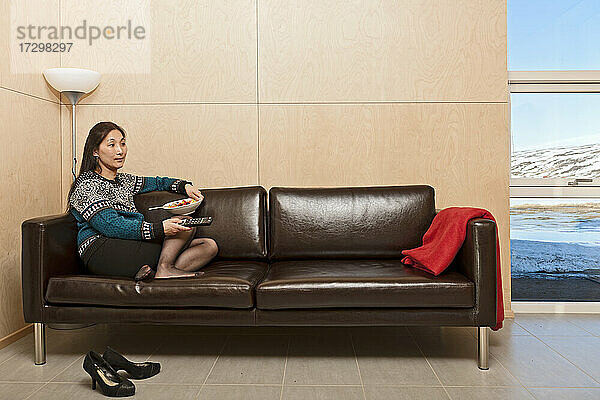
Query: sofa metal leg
<point>39,332</point>
<point>483,341</point>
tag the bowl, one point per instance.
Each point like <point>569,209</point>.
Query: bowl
<point>182,206</point>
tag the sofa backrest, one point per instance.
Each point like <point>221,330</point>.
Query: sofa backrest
<point>239,218</point>
<point>348,222</point>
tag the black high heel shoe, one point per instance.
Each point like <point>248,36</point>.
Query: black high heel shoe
<point>135,370</point>
<point>111,384</point>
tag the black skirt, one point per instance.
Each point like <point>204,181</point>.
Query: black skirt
<point>121,257</point>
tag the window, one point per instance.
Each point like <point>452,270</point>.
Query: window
<point>553,35</point>
<point>554,79</point>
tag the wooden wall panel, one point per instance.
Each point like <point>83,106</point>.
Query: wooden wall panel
<point>387,50</point>
<point>447,58</point>
<point>197,51</point>
<point>30,161</point>
<point>213,145</point>
<point>22,71</point>
<point>462,150</point>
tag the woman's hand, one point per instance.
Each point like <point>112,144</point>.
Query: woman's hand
<point>193,192</point>
<point>171,226</point>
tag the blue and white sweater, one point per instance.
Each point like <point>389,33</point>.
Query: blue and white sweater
<point>105,207</point>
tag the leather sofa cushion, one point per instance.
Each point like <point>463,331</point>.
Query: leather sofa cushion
<point>359,283</point>
<point>225,284</point>
<point>348,222</point>
<point>239,219</point>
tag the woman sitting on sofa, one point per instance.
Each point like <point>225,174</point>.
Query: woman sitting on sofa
<point>113,238</point>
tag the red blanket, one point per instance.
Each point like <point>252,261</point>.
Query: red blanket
<point>443,240</point>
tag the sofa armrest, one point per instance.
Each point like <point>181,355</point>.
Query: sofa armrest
<point>477,261</point>
<point>49,248</point>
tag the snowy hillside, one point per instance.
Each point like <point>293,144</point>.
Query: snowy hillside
<point>557,162</point>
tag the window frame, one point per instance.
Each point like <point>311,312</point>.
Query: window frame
<point>570,81</point>
<point>563,81</point>
<point>551,81</point>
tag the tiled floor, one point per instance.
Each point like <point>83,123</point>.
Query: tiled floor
<point>533,357</point>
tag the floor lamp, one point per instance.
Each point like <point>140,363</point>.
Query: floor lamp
<point>73,83</point>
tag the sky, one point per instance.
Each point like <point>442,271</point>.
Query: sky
<point>554,35</point>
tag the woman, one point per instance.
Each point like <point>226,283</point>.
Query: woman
<point>113,238</point>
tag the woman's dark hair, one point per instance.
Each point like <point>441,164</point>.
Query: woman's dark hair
<point>92,143</point>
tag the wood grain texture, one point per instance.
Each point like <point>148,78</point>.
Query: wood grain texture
<point>462,150</point>
<point>212,145</point>
<point>385,50</point>
<point>194,51</point>
<point>30,161</point>
<point>22,71</point>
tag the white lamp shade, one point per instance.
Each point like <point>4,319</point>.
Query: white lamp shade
<point>72,79</point>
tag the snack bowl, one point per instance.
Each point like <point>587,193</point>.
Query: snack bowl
<point>182,206</point>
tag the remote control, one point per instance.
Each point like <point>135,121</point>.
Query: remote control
<point>196,221</point>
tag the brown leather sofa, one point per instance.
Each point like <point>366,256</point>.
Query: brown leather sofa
<point>315,256</point>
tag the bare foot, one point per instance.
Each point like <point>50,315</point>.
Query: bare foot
<point>144,274</point>
<point>169,271</point>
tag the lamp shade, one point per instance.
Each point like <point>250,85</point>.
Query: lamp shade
<point>72,79</point>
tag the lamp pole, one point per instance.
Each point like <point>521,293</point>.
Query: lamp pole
<point>73,83</point>
<point>73,98</point>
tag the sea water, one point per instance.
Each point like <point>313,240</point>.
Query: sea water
<point>555,238</point>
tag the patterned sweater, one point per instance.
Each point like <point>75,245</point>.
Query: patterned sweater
<point>105,207</point>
